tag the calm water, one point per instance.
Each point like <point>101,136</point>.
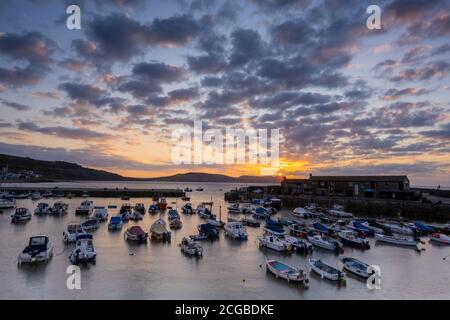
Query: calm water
<point>228,270</point>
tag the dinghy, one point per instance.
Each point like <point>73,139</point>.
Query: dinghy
<point>190,247</point>
<point>43,208</point>
<point>159,230</point>
<point>351,238</point>
<point>398,240</point>
<point>72,231</point>
<point>21,215</point>
<point>236,230</point>
<point>275,243</point>
<point>39,249</point>
<point>325,242</point>
<point>440,238</point>
<point>136,233</point>
<point>84,251</point>
<point>285,271</point>
<point>355,266</point>
<point>115,223</point>
<point>326,271</point>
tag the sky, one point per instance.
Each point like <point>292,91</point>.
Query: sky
<point>347,100</point>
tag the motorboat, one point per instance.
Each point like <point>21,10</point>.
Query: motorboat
<point>60,208</point>
<point>339,212</point>
<point>100,213</point>
<point>39,249</point>
<point>260,212</point>
<point>36,196</point>
<point>125,211</point>
<point>175,223</point>
<point>397,240</point>
<point>322,228</point>
<point>6,203</point>
<point>173,214</point>
<point>399,228</point>
<point>22,196</point>
<point>162,204</point>
<point>204,212</point>
<point>115,223</point>
<point>301,213</point>
<point>274,229</point>
<point>209,231</point>
<point>298,230</point>
<point>324,270</point>
<point>355,266</point>
<point>58,194</point>
<point>84,250</point>
<point>185,198</point>
<point>47,194</point>
<point>375,227</point>
<point>159,230</point>
<point>299,245</point>
<point>351,238</point>
<point>90,224</point>
<point>440,238</point>
<point>249,222</point>
<point>239,208</point>
<point>199,189</point>
<point>72,231</point>
<point>140,207</point>
<point>420,227</point>
<point>135,233</point>
<point>338,226</point>
<point>362,228</point>
<point>21,215</point>
<point>191,247</point>
<point>136,215</point>
<point>187,189</point>
<point>274,242</point>
<point>325,242</point>
<point>153,208</point>
<point>86,207</point>
<point>236,230</point>
<point>187,208</point>
<point>43,208</point>
<point>287,272</point>
<point>216,223</point>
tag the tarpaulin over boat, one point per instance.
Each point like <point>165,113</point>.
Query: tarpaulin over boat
<point>159,227</point>
<point>136,230</point>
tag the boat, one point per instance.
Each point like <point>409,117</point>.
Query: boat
<point>362,229</point>
<point>21,215</point>
<point>355,266</point>
<point>209,231</point>
<point>338,226</point>
<point>70,195</point>
<point>6,203</point>
<point>125,198</point>
<point>439,237</point>
<point>299,245</point>
<point>100,214</point>
<point>162,204</point>
<point>175,223</point>
<point>421,227</point>
<point>187,189</point>
<point>84,250</point>
<point>125,211</point>
<point>274,203</point>
<point>191,247</point>
<point>216,223</point>
<point>90,224</point>
<point>204,212</point>
<point>115,223</point>
<point>135,233</point>
<point>136,215</point>
<point>249,222</point>
<point>351,238</point>
<point>39,249</point>
<point>260,213</point>
<point>239,208</point>
<point>338,212</point>
<point>140,207</point>
<point>236,230</point>
<point>274,242</point>
<point>185,198</point>
<point>398,228</point>
<point>43,208</point>
<point>274,229</point>
<point>326,271</point>
<point>58,194</point>
<point>36,196</point>
<point>71,232</point>
<point>199,189</point>
<point>159,230</point>
<point>298,230</point>
<point>325,242</point>
<point>285,271</point>
<point>60,208</point>
<point>85,208</point>
<point>47,194</point>
<point>375,227</point>
<point>187,208</point>
<point>153,208</point>
<point>301,213</point>
<point>173,214</point>
<point>112,206</point>
<point>397,240</point>
<point>85,194</point>
<point>21,196</point>
<point>322,228</point>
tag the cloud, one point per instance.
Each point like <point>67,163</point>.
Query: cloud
<point>392,94</point>
<point>15,105</point>
<point>437,69</point>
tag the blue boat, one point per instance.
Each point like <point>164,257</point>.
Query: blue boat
<point>274,229</point>
<point>173,214</point>
<point>115,223</point>
<point>358,226</point>
<point>322,228</point>
<point>188,209</point>
<point>423,227</point>
<point>153,208</point>
<point>272,222</point>
<point>260,213</point>
<point>208,231</point>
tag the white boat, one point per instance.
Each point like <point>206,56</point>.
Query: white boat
<point>299,245</point>
<point>6,203</point>
<point>374,229</point>
<point>36,196</point>
<point>159,230</point>
<point>100,213</point>
<point>39,248</point>
<point>86,207</point>
<point>325,242</point>
<point>351,238</point>
<point>72,231</point>
<point>397,240</point>
<point>60,208</point>
<point>440,237</point>
<point>84,250</point>
<point>300,213</point>
<point>287,272</point>
<point>236,230</point>
<point>43,208</point>
<point>326,271</point>
<point>398,228</point>
<point>339,212</point>
<point>355,266</point>
<point>275,243</point>
<point>239,208</point>
<point>203,211</point>
<point>191,247</point>
<point>21,215</point>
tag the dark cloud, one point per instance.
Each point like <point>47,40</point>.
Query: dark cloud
<point>393,94</point>
<point>15,105</point>
<point>436,69</point>
<point>442,133</point>
<point>64,132</point>
<point>247,45</point>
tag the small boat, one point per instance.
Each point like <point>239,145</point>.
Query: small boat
<point>90,224</point>
<point>322,228</point>
<point>153,208</point>
<point>355,266</point>
<point>175,223</point>
<point>85,208</point>
<point>301,213</point>
<point>159,230</point>
<point>249,222</point>
<point>39,249</point>
<point>299,245</point>
<point>125,198</point>
<point>21,215</point>
<point>136,215</point>
<point>36,196</point>
<point>58,194</point>
<point>43,208</point>
<point>47,194</point>
<point>274,229</point>
<point>70,195</point>
<point>285,271</point>
<point>173,214</point>
<point>199,189</point>
<point>135,233</point>
<point>187,189</point>
<point>186,198</point>
<point>398,228</point>
<point>375,227</point>
<point>361,228</point>
<point>326,271</point>
<point>190,247</point>
<point>60,208</point>
<point>325,242</point>
<point>72,231</point>
<point>351,238</point>
<point>275,243</point>
<point>140,207</point>
<point>397,240</point>
<point>187,208</point>
<point>260,213</point>
<point>439,237</point>
<point>216,223</point>
<point>338,212</point>
<point>84,250</point>
<point>204,212</point>
<point>100,214</point>
<point>236,230</point>
<point>339,226</point>
<point>85,194</point>
<point>298,230</point>
<point>162,204</point>
<point>115,223</point>
<point>125,211</point>
<point>239,208</point>
<point>6,203</point>
<point>208,230</point>
<point>421,227</point>
<point>198,237</point>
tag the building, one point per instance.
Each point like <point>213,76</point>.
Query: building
<point>383,187</point>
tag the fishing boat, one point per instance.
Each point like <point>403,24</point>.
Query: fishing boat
<point>162,204</point>
<point>153,208</point>
<point>187,208</point>
<point>6,203</point>
<point>324,270</point>
<point>100,214</point>
<point>21,215</point>
<point>274,242</point>
<point>191,247</point>
<point>199,189</point>
<point>136,215</point>
<point>236,230</point>
<point>84,250</point>
<point>85,208</point>
<point>249,222</point>
<point>90,224</point>
<point>299,245</point>
<point>173,214</point>
<point>209,231</point>
<point>175,223</point>
<point>60,208</point>
<point>115,223</point>
<point>355,266</point>
<point>338,212</point>
<point>397,240</point>
<point>260,212</point>
<point>351,238</point>
<point>36,196</point>
<point>325,242</point>
<point>72,231</point>
<point>159,231</point>
<point>285,271</point>
<point>440,238</point>
<point>39,249</point>
<point>187,189</point>
<point>135,233</point>
<point>43,208</point>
